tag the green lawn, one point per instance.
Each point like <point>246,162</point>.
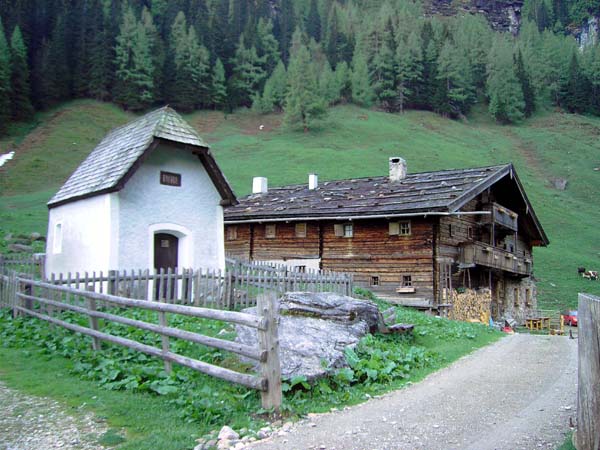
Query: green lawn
<point>352,142</point>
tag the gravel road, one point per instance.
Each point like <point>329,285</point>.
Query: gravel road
<point>36,423</point>
<point>518,393</point>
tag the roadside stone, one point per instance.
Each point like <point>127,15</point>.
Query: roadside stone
<point>35,236</point>
<point>227,433</point>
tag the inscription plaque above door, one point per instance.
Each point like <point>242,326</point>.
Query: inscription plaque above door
<point>170,178</point>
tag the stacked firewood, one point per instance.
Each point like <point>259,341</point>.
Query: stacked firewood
<point>471,305</point>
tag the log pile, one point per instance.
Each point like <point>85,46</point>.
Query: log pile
<point>471,305</point>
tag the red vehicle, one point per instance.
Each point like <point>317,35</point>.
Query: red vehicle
<point>570,318</point>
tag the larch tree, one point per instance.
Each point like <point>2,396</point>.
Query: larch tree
<point>409,69</point>
<point>362,92</point>
<point>273,96</point>
<point>382,69</point>
<point>303,104</point>
<point>20,98</point>
<point>504,91</point>
<point>134,67</point>
<point>218,85</point>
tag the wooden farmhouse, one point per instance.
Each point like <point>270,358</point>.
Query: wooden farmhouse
<point>150,195</point>
<point>416,239</point>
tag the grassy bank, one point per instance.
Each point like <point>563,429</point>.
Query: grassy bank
<point>154,410</point>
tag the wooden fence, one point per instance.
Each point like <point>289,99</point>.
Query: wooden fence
<point>238,286</point>
<point>26,264</point>
<point>587,436</point>
<point>47,301</point>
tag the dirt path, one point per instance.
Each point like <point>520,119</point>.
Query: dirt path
<point>516,394</point>
<point>36,423</point>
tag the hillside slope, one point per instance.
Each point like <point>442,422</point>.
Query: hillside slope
<point>353,142</point>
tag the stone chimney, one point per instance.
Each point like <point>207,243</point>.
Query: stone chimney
<point>397,169</point>
<point>259,185</point>
<point>313,181</point>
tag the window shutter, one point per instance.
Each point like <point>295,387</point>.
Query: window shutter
<point>339,229</point>
<point>394,228</point>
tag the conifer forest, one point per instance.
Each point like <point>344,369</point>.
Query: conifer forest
<point>296,56</point>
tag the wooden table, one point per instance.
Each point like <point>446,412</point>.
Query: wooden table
<point>538,323</point>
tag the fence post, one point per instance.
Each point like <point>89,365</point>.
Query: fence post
<point>112,282</point>
<point>587,436</point>
<point>268,340</point>
<point>91,304</point>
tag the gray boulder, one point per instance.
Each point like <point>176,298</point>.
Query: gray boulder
<point>314,330</point>
<point>20,248</point>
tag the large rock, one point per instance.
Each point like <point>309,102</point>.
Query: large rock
<point>330,306</point>
<point>314,330</point>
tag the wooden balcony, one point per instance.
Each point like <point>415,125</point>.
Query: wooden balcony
<point>501,216</point>
<point>478,253</point>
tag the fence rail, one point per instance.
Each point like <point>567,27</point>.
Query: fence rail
<point>46,300</point>
<point>587,436</point>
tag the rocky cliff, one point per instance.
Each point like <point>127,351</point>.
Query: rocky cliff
<point>503,15</point>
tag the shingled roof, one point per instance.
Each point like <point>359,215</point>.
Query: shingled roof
<point>444,191</point>
<point>117,156</point>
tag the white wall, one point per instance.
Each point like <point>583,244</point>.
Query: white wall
<point>87,231</point>
<point>190,211</point>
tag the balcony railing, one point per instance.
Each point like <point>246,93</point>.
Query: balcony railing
<point>485,255</point>
<point>502,216</point>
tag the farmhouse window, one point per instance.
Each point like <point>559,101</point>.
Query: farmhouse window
<point>450,231</point>
<point>270,231</point>
<point>375,281</point>
<point>516,296</point>
<point>343,230</point>
<point>404,228</point>
<point>58,238</point>
<point>301,269</point>
<point>406,280</point>
<point>527,297</point>
<point>301,230</point>
<point>348,230</point>
<point>231,233</point>
<point>470,233</point>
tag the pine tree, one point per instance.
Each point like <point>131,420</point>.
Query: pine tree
<point>284,27</point>
<point>247,74</point>
<point>4,80</point>
<point>503,88</point>
<point>157,52</point>
<point>336,43</point>
<point>219,87</point>
<point>20,98</point>
<point>525,82</point>
<point>576,88</point>
<point>362,92</point>
<point>313,21</point>
<point>303,105</point>
<point>101,71</point>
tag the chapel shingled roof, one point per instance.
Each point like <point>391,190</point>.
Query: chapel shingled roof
<point>113,159</point>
